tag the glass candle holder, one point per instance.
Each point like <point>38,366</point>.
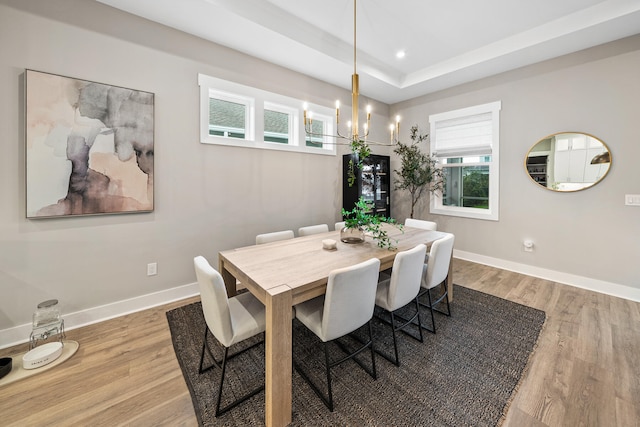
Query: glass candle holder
<point>46,322</point>
<point>47,313</point>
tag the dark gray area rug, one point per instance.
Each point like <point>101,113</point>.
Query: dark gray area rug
<point>464,375</point>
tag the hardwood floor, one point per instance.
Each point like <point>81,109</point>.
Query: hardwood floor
<point>584,372</point>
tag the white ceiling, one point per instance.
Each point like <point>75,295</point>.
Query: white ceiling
<point>447,42</point>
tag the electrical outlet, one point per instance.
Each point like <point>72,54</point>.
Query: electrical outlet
<point>152,269</point>
<point>528,246</point>
<point>632,199</point>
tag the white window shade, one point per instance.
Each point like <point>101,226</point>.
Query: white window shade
<point>464,136</point>
<point>471,135</point>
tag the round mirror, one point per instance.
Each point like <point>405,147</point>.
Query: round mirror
<point>568,161</point>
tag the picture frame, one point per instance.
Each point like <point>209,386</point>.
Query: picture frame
<point>89,147</point>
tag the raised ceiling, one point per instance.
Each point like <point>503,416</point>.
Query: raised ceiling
<point>446,42</point>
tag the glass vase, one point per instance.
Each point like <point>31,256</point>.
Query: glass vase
<point>352,235</point>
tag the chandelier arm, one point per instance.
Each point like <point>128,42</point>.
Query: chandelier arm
<point>347,140</point>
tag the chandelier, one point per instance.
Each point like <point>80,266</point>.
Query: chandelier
<point>353,136</point>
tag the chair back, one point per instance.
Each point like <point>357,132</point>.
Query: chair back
<point>339,225</point>
<point>215,302</point>
<point>313,229</point>
<point>350,298</point>
<point>439,260</point>
<point>274,237</point>
<point>420,223</point>
<point>406,276</point>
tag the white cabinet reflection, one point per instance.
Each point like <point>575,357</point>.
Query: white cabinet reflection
<point>568,161</point>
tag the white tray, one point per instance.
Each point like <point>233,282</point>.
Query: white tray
<point>42,355</point>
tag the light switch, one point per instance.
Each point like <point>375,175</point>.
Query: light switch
<point>632,199</point>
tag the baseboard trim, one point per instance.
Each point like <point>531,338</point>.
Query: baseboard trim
<point>20,334</point>
<point>601,286</point>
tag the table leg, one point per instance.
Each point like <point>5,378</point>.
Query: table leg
<point>450,279</point>
<point>229,279</point>
<point>278,358</point>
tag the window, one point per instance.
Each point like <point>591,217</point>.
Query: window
<point>228,117</point>
<point>466,143</point>
<point>243,116</point>
<point>318,131</point>
<point>278,123</point>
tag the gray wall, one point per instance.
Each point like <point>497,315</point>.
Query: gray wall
<point>211,198</point>
<point>589,233</point>
<point>208,198</point>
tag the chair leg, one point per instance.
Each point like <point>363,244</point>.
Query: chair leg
<point>373,352</point>
<point>328,366</point>
<point>328,401</point>
<point>419,321</point>
<point>432,304</point>
<point>392,324</point>
<point>446,294</point>
<point>401,328</point>
<point>395,340</point>
<point>224,369</point>
<point>430,307</point>
<point>433,320</point>
<point>223,366</point>
<point>205,346</point>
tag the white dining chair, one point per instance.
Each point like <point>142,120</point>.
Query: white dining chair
<point>347,305</point>
<point>435,274</point>
<point>230,320</point>
<point>274,236</point>
<point>399,290</point>
<point>313,229</point>
<point>339,225</point>
<point>421,223</point>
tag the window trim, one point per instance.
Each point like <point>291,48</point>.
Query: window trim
<point>260,100</point>
<point>492,213</point>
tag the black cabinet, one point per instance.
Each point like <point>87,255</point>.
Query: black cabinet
<point>372,182</point>
<point>537,169</point>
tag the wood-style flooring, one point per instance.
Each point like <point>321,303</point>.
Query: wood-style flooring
<point>584,372</point>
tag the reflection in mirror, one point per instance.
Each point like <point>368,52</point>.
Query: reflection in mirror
<point>568,161</point>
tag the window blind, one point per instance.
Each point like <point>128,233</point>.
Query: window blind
<point>464,136</point>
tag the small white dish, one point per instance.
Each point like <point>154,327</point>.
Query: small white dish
<point>329,244</point>
<point>42,355</point>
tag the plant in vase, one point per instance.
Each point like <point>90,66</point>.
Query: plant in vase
<point>361,220</point>
<point>418,171</point>
<point>359,151</point>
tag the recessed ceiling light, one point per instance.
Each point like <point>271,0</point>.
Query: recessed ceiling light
<point>400,54</point>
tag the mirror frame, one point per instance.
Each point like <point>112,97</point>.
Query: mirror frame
<point>607,150</point>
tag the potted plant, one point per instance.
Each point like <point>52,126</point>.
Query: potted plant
<point>359,150</point>
<point>418,171</point>
<point>361,220</point>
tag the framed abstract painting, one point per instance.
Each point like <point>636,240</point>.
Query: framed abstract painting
<point>89,147</point>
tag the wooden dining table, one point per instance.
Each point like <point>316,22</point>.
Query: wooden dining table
<point>285,273</point>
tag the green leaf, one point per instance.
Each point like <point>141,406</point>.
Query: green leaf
<point>361,216</point>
